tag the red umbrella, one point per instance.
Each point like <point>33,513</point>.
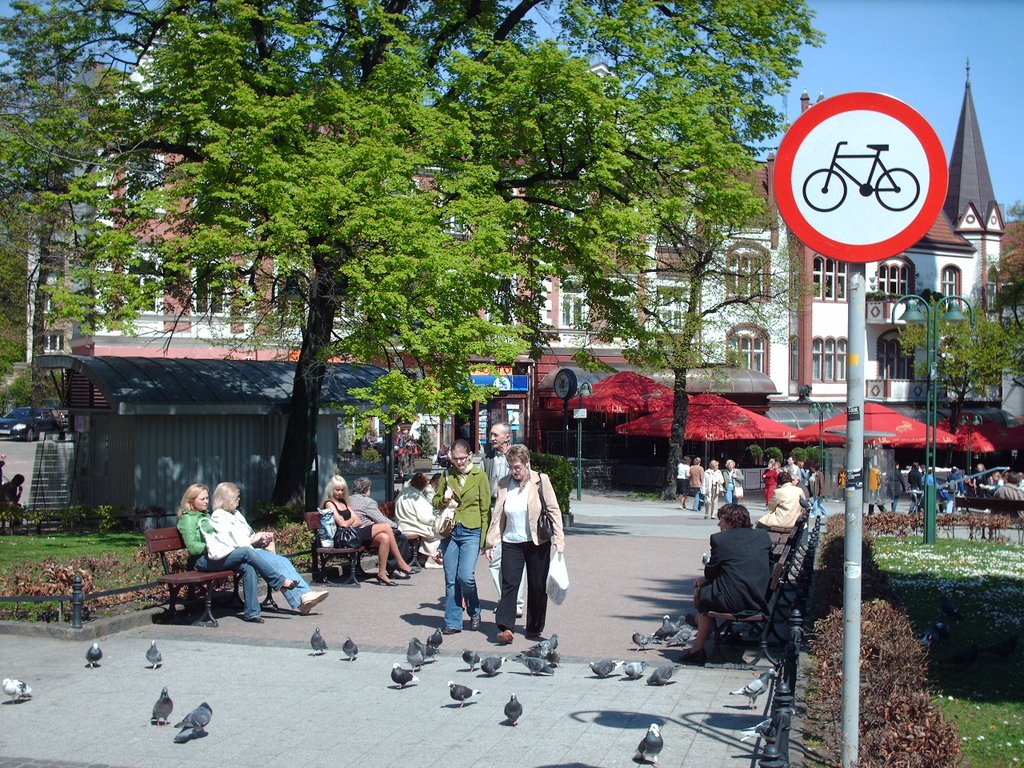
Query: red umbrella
<point>710,418</point>
<point>882,426</point>
<point>988,438</point>
<point>627,392</point>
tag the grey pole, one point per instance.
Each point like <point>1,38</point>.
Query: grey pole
<point>856,348</point>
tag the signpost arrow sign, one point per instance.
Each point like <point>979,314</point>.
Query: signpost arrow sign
<point>860,177</point>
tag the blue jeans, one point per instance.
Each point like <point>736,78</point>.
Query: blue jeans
<point>239,561</point>
<point>277,570</point>
<point>696,499</point>
<point>817,507</point>
<point>729,494</point>
<point>461,550</point>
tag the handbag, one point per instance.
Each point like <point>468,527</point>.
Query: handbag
<point>737,491</point>
<point>444,522</point>
<point>558,579</point>
<point>347,538</point>
<point>545,525</point>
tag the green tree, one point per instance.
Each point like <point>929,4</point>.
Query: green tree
<point>415,171</point>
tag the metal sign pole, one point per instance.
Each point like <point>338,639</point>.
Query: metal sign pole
<point>854,511</point>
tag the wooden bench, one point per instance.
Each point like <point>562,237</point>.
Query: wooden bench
<point>984,506</point>
<point>160,541</point>
<point>321,553</point>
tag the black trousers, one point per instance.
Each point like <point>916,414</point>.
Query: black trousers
<point>536,558</point>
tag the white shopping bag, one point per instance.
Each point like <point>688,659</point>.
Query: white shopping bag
<point>558,579</point>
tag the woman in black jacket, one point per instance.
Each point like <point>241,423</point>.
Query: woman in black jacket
<point>736,575</point>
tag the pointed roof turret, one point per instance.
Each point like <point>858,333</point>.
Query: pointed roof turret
<point>969,179</point>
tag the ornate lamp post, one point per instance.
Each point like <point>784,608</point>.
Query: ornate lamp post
<point>970,420</point>
<point>918,311</point>
<point>823,411</point>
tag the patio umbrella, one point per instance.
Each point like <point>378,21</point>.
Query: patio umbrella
<point>988,438</point>
<point>627,392</point>
<point>882,426</point>
<point>710,418</point>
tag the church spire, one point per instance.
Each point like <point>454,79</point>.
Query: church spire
<point>969,179</point>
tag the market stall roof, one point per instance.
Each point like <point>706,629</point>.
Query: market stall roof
<point>162,386</point>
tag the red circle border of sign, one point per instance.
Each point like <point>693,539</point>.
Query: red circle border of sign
<point>849,102</point>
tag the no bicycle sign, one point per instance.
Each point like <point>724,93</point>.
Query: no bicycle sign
<point>860,177</point>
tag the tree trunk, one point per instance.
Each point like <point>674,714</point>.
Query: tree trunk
<point>680,409</point>
<point>297,476</point>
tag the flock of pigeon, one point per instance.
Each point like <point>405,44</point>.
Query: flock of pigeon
<point>193,725</point>
<point>964,657</point>
<point>540,659</point>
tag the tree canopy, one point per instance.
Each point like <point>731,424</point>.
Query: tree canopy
<point>416,170</point>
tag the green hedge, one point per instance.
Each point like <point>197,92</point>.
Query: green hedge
<point>559,470</point>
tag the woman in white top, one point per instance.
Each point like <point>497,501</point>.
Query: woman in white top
<point>415,516</point>
<point>683,479</point>
<point>522,495</point>
<point>711,486</point>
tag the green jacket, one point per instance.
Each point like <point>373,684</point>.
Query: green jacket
<point>191,526</point>
<point>474,499</point>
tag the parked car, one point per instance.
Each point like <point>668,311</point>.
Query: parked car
<point>27,423</point>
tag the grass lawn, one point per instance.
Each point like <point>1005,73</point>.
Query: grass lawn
<point>986,583</point>
<point>21,550</point>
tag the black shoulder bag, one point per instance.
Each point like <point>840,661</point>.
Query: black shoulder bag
<point>545,525</point>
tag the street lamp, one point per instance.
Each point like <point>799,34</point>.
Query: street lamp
<point>918,311</point>
<point>823,411</point>
<point>970,420</point>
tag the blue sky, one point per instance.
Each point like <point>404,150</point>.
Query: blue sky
<point>917,51</point>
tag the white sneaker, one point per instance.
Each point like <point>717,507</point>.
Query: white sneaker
<point>432,564</point>
<point>311,599</point>
<point>519,611</point>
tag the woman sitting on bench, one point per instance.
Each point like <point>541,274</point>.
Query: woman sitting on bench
<point>736,575</point>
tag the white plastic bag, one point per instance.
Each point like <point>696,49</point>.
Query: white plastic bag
<point>558,579</point>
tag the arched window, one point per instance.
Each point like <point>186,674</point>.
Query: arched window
<point>892,363</point>
<point>794,358</point>
<point>817,346</point>
<point>895,278</point>
<point>840,359</point>
<point>828,359</point>
<point>748,348</point>
<point>746,273</point>
<point>950,281</point>
<point>829,279</point>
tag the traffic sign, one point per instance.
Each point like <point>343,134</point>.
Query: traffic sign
<point>860,177</point>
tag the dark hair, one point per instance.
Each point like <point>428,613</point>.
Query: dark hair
<point>783,477</point>
<point>461,445</point>
<point>419,481</point>
<point>736,515</point>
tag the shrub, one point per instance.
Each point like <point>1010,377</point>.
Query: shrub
<point>558,469</point>
<point>828,587</point>
<point>773,453</point>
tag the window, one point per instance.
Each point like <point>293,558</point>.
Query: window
<point>950,281</point>
<point>747,348</point>
<point>828,359</point>
<point>894,278</point>
<point>892,363</point>
<point>670,308</point>
<point>794,358</point>
<point>747,274</point>
<point>209,299</point>
<point>53,342</point>
<point>992,287</point>
<point>573,304</point>
<point>829,279</point>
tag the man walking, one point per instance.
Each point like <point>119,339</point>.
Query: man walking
<point>495,466</point>
<point>696,481</point>
<point>915,482</point>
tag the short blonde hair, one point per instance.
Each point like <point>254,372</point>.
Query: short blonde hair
<point>190,495</point>
<point>225,496</point>
<point>518,452</point>
<point>337,481</point>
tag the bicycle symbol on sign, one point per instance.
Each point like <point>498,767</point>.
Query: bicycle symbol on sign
<point>896,189</point>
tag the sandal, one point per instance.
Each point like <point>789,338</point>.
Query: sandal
<point>289,584</point>
<point>384,583</point>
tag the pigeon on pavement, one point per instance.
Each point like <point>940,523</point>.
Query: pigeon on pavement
<point>539,650</point>
<point>756,731</point>
<point>93,656</point>
<point>317,642</point>
<point>1003,647</point>
<point>460,692</point>
<point>18,690</point>
<point>162,709</point>
<point>414,654</point>
<point>683,636</point>
<point>513,710</point>
<point>604,667</point>
<point>667,628</point>
<point>553,640</point>
<point>350,649</point>
<point>429,652</point>
<point>193,725</point>
<point>641,640</point>
<point>755,687</point>
<point>661,675</point>
<point>153,656</point>
<point>491,665</point>
<point>553,657</point>
<point>435,640</point>
<point>650,745</point>
<point>402,676</point>
<point>634,670</point>
<point>471,657</point>
<point>535,665</point>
